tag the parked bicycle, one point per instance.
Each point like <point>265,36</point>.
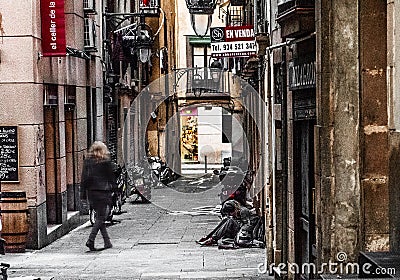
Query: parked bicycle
<point>140,180</point>
<point>161,170</point>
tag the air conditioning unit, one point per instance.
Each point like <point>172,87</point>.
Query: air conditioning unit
<point>89,6</point>
<point>90,35</point>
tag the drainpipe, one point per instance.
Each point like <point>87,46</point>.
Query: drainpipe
<point>284,154</point>
<point>271,101</point>
<point>58,216</point>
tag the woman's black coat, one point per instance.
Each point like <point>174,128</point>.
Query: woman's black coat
<point>97,175</point>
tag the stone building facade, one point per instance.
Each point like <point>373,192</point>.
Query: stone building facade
<point>62,104</point>
<point>332,90</point>
<point>56,103</point>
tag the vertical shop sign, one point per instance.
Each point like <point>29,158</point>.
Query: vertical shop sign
<point>53,28</point>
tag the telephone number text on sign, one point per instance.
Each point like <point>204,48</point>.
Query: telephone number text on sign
<point>233,49</point>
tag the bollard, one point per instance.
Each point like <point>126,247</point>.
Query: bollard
<point>205,164</point>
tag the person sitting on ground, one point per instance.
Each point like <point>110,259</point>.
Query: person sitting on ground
<point>234,216</point>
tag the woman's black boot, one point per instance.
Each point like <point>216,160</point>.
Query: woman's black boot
<point>90,245</point>
<point>107,243</point>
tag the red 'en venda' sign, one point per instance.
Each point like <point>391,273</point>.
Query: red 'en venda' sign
<point>239,33</point>
<point>53,27</point>
<point>233,41</point>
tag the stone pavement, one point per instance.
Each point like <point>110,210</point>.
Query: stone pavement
<point>151,241</point>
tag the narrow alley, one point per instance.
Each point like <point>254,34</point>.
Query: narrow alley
<point>151,241</point>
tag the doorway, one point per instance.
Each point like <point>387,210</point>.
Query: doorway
<point>51,134</point>
<point>304,194</point>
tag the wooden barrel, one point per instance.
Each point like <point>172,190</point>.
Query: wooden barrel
<point>14,211</point>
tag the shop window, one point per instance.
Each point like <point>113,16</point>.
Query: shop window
<point>189,136</point>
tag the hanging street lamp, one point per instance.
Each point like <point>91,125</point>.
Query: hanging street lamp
<point>144,42</point>
<point>201,12</point>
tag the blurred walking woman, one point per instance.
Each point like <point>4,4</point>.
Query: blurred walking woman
<point>98,181</point>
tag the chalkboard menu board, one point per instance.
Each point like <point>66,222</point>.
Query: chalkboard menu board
<point>9,153</point>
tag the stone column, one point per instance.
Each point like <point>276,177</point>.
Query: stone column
<point>337,132</point>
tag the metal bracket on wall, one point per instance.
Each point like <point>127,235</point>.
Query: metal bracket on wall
<point>77,53</point>
<point>118,18</point>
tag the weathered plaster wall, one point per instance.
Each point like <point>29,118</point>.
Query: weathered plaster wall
<point>374,125</point>
<point>338,178</point>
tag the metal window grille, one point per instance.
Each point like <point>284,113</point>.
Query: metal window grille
<point>89,5</point>
<point>235,16</point>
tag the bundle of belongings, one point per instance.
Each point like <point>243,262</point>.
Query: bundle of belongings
<point>240,227</point>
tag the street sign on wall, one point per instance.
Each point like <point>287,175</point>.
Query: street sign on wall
<point>53,28</point>
<point>302,73</point>
<point>9,153</point>
<point>233,41</point>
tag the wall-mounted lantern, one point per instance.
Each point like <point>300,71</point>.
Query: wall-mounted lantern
<point>140,41</point>
<point>144,42</point>
<point>201,15</point>
<point>198,84</point>
<point>216,71</point>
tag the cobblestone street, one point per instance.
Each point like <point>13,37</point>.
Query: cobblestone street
<point>151,241</point>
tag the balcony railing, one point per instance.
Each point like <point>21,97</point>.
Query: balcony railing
<point>203,83</point>
<point>289,5</point>
<point>296,18</point>
<point>150,7</point>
